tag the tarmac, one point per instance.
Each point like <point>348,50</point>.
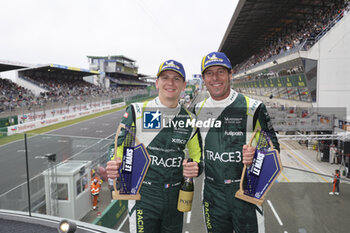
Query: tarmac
<point>104,200</point>
<point>311,159</point>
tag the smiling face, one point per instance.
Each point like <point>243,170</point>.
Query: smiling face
<point>217,80</point>
<point>170,84</point>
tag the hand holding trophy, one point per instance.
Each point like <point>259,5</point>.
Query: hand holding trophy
<point>133,166</point>
<point>257,179</point>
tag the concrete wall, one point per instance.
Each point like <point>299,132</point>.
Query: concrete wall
<point>30,86</point>
<point>333,72</point>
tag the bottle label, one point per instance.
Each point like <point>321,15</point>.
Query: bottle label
<point>184,203</point>
<point>188,179</point>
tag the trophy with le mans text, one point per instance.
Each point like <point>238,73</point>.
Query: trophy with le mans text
<point>134,166</point>
<point>257,179</point>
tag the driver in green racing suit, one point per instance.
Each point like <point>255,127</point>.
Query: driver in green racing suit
<point>165,142</point>
<point>225,150</point>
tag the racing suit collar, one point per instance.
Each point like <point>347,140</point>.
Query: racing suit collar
<point>159,104</point>
<point>230,98</point>
<point>164,109</point>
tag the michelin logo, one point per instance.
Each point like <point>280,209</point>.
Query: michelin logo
<point>152,119</point>
<point>213,58</point>
<point>231,133</point>
<point>170,64</point>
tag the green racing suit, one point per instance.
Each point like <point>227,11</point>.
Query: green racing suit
<point>238,115</point>
<point>157,209</point>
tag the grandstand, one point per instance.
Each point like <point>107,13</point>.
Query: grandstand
<point>293,56</point>
<point>53,77</point>
<point>45,86</point>
<point>38,92</point>
<point>9,90</point>
<point>287,50</point>
<point>6,65</point>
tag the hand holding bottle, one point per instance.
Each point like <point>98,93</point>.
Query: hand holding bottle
<point>184,203</point>
<point>190,168</point>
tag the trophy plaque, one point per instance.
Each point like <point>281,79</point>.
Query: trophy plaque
<point>134,166</point>
<point>257,179</point>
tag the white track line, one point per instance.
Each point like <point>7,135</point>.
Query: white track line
<point>275,213</point>
<point>90,146</point>
<point>122,224</point>
<point>79,137</point>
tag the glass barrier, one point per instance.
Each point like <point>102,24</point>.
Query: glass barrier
<point>61,167</point>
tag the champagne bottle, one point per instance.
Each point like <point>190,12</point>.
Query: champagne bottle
<point>184,203</point>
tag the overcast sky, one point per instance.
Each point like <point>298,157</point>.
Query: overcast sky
<point>149,31</point>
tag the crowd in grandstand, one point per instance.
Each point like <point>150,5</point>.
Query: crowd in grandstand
<point>313,28</point>
<point>13,96</point>
<point>126,80</point>
<point>61,91</point>
<point>66,89</point>
<point>297,69</point>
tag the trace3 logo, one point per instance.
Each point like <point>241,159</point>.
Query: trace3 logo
<point>151,119</point>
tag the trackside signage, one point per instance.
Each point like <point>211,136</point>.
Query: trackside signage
<point>20,128</point>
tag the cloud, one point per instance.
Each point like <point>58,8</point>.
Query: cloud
<point>148,31</point>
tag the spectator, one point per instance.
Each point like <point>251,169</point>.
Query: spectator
<point>336,182</point>
<point>332,153</point>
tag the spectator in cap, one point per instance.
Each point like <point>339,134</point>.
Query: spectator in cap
<point>226,149</point>
<point>165,143</point>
